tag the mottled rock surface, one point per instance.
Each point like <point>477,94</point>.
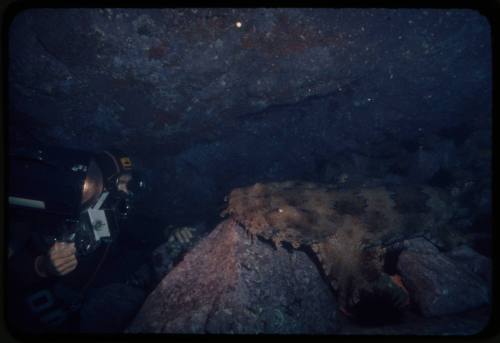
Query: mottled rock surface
<point>227,284</point>
<point>437,284</point>
<point>472,261</point>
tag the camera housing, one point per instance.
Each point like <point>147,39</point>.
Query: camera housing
<point>70,192</point>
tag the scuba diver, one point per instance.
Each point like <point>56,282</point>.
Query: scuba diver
<point>66,210</point>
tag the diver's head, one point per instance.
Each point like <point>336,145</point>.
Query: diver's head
<point>122,182</point>
<point>118,172</point>
<point>116,168</point>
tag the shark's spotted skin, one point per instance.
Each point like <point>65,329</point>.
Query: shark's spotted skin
<point>346,229</point>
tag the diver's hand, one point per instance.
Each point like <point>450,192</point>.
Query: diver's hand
<point>183,235</point>
<point>60,260</point>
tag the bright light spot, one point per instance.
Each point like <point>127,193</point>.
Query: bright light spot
<point>238,24</point>
<point>86,186</point>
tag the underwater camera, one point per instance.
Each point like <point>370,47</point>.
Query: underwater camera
<point>71,195</point>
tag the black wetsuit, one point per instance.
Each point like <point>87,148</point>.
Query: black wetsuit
<point>53,304</point>
<point>43,304</point>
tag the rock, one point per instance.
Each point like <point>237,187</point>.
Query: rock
<point>166,255</point>
<point>437,284</point>
<point>229,284</point>
<point>472,261</point>
<point>420,246</point>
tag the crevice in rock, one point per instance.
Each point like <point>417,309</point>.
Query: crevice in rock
<point>391,259</point>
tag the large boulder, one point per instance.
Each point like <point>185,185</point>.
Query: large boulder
<point>472,261</point>
<point>437,284</point>
<point>231,284</point>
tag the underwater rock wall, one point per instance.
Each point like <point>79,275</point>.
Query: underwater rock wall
<point>229,284</point>
<point>335,95</point>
